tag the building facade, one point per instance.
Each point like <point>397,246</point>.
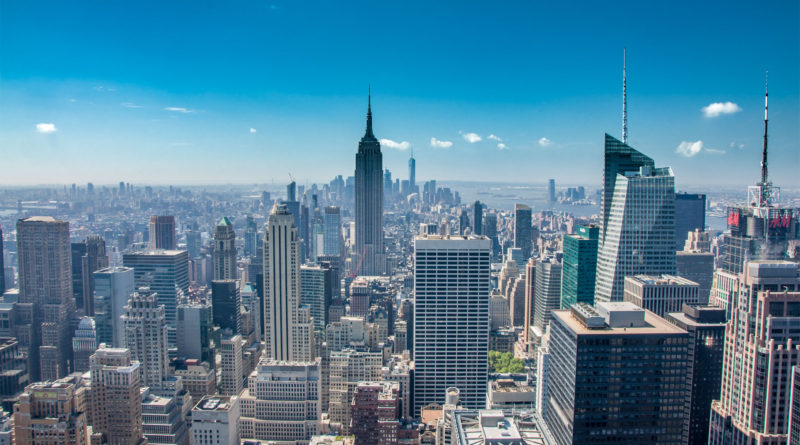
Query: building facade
<point>369,243</point>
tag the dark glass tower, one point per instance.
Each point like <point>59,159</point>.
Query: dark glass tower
<point>579,266</point>
<point>619,158</point>
<point>369,203</point>
<point>477,217</point>
<point>690,214</point>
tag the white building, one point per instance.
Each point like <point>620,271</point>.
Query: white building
<point>231,378</point>
<point>661,294</point>
<point>215,421</point>
<point>451,318</point>
<point>146,336</point>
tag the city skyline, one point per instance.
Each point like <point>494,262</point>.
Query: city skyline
<point>478,93</point>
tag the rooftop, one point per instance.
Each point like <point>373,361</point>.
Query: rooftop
<point>213,403</point>
<point>497,427</point>
<point>662,280</point>
<point>652,323</point>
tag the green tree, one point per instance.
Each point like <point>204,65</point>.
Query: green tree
<point>504,363</point>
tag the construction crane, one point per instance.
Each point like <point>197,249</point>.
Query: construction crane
<point>354,273</point>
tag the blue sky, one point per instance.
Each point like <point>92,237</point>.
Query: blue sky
<point>250,91</point>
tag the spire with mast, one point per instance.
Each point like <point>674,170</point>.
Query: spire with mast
<point>764,172</point>
<point>369,134</point>
<point>624,98</point>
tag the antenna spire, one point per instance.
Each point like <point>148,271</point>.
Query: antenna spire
<point>764,171</point>
<point>369,113</point>
<point>624,97</point>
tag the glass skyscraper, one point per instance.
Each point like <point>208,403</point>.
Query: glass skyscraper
<point>579,266</point>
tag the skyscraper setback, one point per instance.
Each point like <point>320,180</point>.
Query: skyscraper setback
<point>162,232</point>
<point>369,248</point>
<point>45,302</point>
<point>224,250</point>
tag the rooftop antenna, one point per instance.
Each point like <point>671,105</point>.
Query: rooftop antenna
<point>764,171</point>
<point>763,194</point>
<point>624,97</point>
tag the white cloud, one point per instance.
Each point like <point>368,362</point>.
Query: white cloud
<point>471,137</point>
<point>252,130</point>
<point>689,149</point>
<point>544,142</point>
<point>396,145</point>
<point>501,146</point>
<point>46,128</point>
<point>436,143</point>
<point>179,109</point>
<point>130,105</point>
<point>718,108</point>
<point>495,138</point>
<point>715,151</point>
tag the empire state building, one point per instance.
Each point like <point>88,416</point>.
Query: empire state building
<point>369,249</point>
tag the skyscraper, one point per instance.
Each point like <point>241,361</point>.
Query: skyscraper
<point>477,218</point>
<point>146,336</point>
<point>412,173</point>
<point>231,378</point>
<point>551,191</point>
<point>285,328</point>
<point>369,203</point>
<point>547,292</point>
<point>690,215</point>
<point>523,230</point>
<point>224,251</point>
<point>761,347</point>
<point>640,233</point>
<point>112,288</point>
<point>46,302</point>
<point>314,293</point>
<point>615,374</point>
<point>619,158</point>
<point>660,294</point>
<point>51,412</point>
<point>332,244</point>
<point>226,303</point>
<point>490,231</point>
<point>579,272</point>
<point>116,405</point>
<point>375,411</point>
<point>162,232</point>
<point>84,343</point>
<point>2,265</point>
<point>250,237</point>
<point>87,257</point>
<point>451,318</point>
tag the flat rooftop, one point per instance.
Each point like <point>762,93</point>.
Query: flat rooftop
<point>213,403</point>
<point>653,324</point>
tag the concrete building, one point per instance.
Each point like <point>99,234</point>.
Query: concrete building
<point>496,427</point>
<point>162,233</point>
<point>13,369</point>
<point>225,251</point>
<point>51,413</point>
<point>231,380</point>
<point>762,344</point>
<point>498,311</point>
<point>113,287</point>
<point>116,405</point>
<point>660,294</point>
<point>215,421</point>
<point>46,303</point>
<point>375,412</point>
<point>616,369</point>
<point>164,420</point>
<point>510,393</point>
<point>706,328</point>
<point>84,343</point>
<point>451,318</point>
<point>794,414</point>
<point>547,292</point>
<point>359,298</point>
<point>346,369</point>
<point>198,379</point>
<point>640,234</point>
<point>146,336</point>
<point>281,402</point>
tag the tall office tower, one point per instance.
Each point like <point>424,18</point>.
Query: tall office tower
<point>762,343</point>
<point>499,312</point>
<point>551,191</point>
<point>359,298</point>
<point>226,303</point>
<point>333,243</point>
<point>87,257</point>
<point>113,287</point>
<point>303,231</point>
<point>2,265</point>
<point>640,234</point>
<point>762,229</point>
<point>165,272</point>
<point>619,158</point>
<point>195,329</point>
<point>116,405</point>
<point>284,327</point>
<point>516,301</point>
<point>546,293</point>
<point>84,343</point>
<point>215,421</point>
<point>706,328</point>
<point>376,410</point>
<point>369,203</point>
<point>530,291</point>
<point>199,380</point>
<point>46,303</point>
<point>387,184</point>
<point>146,336</point>
<point>412,173</point>
<point>193,243</point>
<point>162,232</point>
<point>463,222</point>
<point>451,318</point>
<point>51,412</point>
<point>477,218</point>
<point>224,251</point>
<point>615,374</point>
<point>523,230</point>
<point>281,402</point>
<point>490,231</point>
<point>579,262</point>
<point>231,378</point>
<point>250,236</point>
<point>347,368</point>
<point>164,419</point>
<point>794,414</point>
<point>13,368</point>
<point>313,293</point>
<point>697,267</point>
<point>660,294</point>
<point>690,215</point>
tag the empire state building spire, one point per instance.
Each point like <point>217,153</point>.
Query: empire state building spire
<point>368,134</point>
